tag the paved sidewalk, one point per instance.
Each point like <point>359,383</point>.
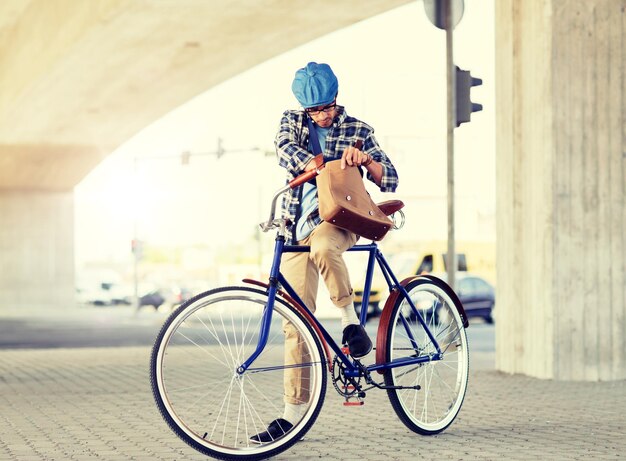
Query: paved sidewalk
<point>96,404</point>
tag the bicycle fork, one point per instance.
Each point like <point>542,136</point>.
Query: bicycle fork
<point>269,307</point>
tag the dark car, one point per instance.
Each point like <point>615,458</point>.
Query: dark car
<point>477,295</point>
<point>152,298</point>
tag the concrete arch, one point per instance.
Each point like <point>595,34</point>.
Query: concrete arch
<point>79,78</point>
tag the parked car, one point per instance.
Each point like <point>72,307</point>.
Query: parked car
<point>475,293</point>
<point>153,298</point>
<point>178,294</point>
<point>108,293</point>
<point>403,264</point>
<point>103,294</point>
<point>374,308</point>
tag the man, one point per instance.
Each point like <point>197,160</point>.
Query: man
<point>316,87</point>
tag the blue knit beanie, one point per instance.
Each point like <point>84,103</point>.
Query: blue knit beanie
<point>315,85</point>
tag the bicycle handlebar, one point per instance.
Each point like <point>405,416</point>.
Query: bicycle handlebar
<point>295,182</point>
<point>318,160</point>
<point>271,223</point>
<point>304,177</point>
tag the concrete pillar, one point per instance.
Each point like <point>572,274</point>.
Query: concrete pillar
<point>561,155</point>
<point>37,249</point>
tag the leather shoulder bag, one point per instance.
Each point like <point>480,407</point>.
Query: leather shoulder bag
<point>344,201</point>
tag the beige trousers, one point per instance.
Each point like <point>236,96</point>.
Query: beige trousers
<point>302,270</point>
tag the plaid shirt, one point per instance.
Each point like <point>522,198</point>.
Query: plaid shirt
<point>292,141</point>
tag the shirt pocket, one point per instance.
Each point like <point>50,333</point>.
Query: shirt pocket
<point>342,144</point>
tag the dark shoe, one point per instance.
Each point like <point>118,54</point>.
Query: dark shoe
<point>275,430</point>
<point>357,340</point>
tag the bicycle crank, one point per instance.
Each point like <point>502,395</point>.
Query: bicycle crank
<point>346,386</point>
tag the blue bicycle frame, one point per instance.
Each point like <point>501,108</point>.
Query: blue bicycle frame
<point>277,280</point>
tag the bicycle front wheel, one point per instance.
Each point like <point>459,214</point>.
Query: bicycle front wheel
<point>203,398</point>
<point>428,396</point>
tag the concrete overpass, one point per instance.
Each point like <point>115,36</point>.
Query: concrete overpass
<point>80,78</point>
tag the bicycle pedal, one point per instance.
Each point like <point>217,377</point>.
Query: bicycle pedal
<point>349,387</point>
<point>358,403</point>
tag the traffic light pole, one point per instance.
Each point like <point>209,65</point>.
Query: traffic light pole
<point>451,74</point>
<point>135,239</point>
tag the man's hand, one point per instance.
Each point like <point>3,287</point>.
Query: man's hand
<point>354,157</point>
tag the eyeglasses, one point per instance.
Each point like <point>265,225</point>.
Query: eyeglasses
<point>325,109</point>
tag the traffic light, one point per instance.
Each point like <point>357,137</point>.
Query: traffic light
<point>464,106</point>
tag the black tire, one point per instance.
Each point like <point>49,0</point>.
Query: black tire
<point>443,383</point>
<point>489,318</point>
<point>193,370</point>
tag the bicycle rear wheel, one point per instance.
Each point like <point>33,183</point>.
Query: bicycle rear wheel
<point>442,383</point>
<point>195,381</point>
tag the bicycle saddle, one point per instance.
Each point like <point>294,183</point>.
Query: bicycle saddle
<point>389,207</point>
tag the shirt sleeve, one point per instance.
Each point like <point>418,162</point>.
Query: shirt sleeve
<point>290,153</point>
<point>389,181</point>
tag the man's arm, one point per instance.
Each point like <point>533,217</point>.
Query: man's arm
<point>379,168</point>
<point>290,154</point>
<point>353,156</point>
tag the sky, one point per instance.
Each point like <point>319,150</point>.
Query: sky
<point>392,74</point>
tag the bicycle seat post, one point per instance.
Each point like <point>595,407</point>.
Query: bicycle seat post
<point>369,274</point>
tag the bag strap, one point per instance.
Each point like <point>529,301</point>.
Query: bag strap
<point>313,139</point>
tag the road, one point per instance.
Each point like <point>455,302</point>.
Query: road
<point>124,326</point>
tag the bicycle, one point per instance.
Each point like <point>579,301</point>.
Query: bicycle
<point>217,364</point>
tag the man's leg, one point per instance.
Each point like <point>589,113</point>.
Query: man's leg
<point>303,276</point>
<point>328,243</point>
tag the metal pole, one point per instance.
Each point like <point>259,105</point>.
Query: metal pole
<point>451,263</point>
<point>135,238</point>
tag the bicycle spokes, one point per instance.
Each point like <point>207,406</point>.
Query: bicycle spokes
<point>196,382</point>
<point>428,395</point>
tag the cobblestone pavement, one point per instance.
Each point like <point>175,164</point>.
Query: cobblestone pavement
<point>96,404</point>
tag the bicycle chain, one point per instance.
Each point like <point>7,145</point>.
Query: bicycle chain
<point>346,387</point>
